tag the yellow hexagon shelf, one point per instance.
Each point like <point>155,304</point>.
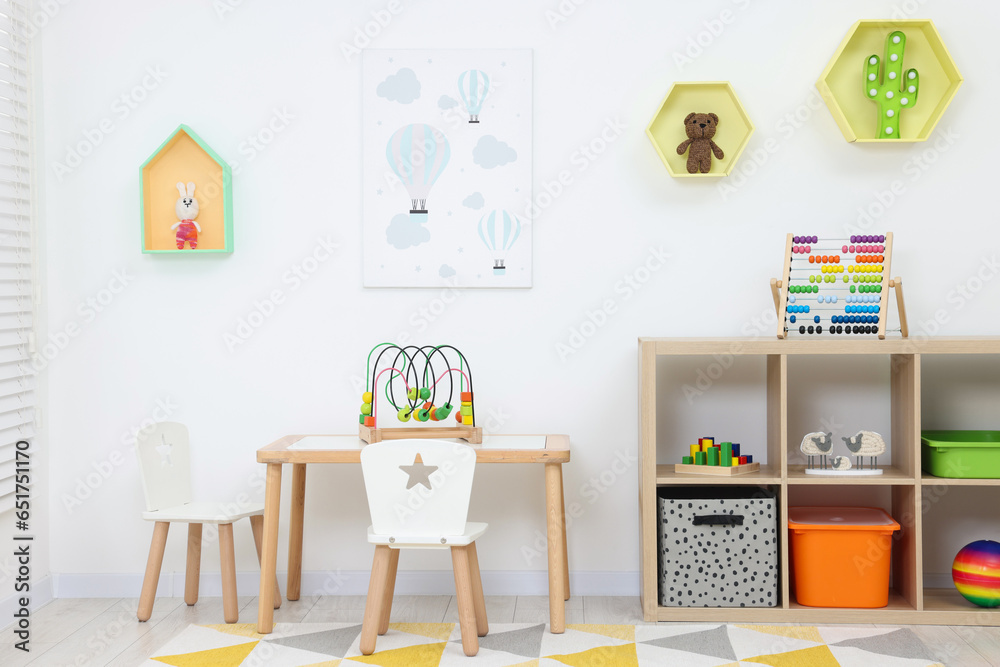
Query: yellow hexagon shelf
<point>666,130</point>
<point>848,78</point>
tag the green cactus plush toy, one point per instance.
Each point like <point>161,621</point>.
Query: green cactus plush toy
<point>894,90</point>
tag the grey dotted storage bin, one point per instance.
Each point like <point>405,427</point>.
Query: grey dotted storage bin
<point>718,546</point>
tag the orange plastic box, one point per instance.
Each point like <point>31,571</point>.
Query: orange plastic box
<point>841,555</point>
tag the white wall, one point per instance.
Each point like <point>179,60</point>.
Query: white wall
<point>160,340</point>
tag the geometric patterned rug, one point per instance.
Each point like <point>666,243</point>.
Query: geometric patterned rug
<point>531,645</point>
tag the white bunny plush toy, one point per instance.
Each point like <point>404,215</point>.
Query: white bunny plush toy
<point>187,210</point>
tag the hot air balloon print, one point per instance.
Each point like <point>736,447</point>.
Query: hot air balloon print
<point>473,86</point>
<point>499,230</point>
<point>418,154</point>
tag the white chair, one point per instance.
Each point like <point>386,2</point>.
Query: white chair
<point>418,495</point>
<point>165,468</point>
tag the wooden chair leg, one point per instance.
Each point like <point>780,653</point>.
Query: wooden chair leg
<point>227,556</point>
<point>193,570</point>
<point>565,546</point>
<point>153,564</point>
<point>257,526</point>
<point>390,588</point>
<point>376,594</point>
<point>466,606</point>
<point>478,599</point>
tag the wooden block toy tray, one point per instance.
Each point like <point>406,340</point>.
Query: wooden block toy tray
<point>719,471</point>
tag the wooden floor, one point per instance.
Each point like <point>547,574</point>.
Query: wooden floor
<point>104,631</point>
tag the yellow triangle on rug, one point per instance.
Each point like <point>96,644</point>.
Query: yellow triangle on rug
<point>238,629</point>
<point>620,656</point>
<point>229,656</point>
<point>623,632</point>
<point>421,655</point>
<point>804,632</point>
<point>817,656</point>
<point>439,631</point>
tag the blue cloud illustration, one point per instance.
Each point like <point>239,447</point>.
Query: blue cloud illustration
<point>475,200</point>
<point>490,153</point>
<point>446,271</point>
<point>401,87</point>
<point>447,102</point>
<point>403,233</point>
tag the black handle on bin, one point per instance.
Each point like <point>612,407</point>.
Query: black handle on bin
<point>719,520</point>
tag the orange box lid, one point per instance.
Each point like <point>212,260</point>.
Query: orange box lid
<point>840,518</point>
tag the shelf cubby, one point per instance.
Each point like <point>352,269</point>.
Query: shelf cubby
<point>767,372</point>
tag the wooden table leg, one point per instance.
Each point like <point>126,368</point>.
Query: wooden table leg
<point>269,550</point>
<point>295,531</point>
<point>565,546</point>
<point>557,574</point>
<point>257,526</point>
<point>193,570</point>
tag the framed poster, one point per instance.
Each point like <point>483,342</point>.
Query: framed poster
<point>447,168</point>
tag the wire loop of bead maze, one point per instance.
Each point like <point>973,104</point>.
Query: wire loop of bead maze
<point>849,280</point>
<point>411,371</point>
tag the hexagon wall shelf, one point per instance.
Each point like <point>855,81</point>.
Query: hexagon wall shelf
<point>841,83</point>
<point>185,157</point>
<point>666,130</point>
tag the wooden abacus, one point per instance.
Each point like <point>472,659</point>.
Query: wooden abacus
<point>847,278</point>
<point>411,370</point>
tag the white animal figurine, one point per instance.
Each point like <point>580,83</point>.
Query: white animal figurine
<point>866,443</point>
<point>840,463</point>
<point>186,209</point>
<point>817,444</point>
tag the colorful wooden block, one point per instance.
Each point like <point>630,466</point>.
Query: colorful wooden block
<point>466,410</point>
<point>749,458</point>
<point>687,460</point>
<point>695,449</point>
<point>466,396</point>
<point>743,460</point>
<point>736,449</point>
<point>712,456</point>
<point>734,462</point>
<point>699,459</point>
<point>361,419</point>
<point>467,420</point>
<point>370,421</point>
<point>727,454</point>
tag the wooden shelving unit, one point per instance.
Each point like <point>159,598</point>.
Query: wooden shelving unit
<point>910,602</point>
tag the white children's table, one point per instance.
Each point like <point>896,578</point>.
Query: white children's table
<point>301,450</point>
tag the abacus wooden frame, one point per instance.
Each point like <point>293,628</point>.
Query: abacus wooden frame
<point>779,291</point>
<point>910,602</point>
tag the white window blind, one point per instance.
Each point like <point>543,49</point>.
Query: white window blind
<point>17,376</point>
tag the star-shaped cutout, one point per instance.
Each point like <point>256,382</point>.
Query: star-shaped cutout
<point>461,250</point>
<point>419,473</point>
<point>379,191</point>
<point>164,450</point>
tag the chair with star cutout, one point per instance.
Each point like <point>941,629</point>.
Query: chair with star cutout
<point>418,495</point>
<point>165,469</point>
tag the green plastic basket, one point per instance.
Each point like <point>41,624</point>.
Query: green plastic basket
<point>965,454</point>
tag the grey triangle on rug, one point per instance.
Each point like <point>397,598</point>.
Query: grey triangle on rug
<point>713,643</point>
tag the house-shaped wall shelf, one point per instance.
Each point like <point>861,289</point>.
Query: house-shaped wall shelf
<point>185,157</point>
<point>842,82</point>
<point>666,130</point>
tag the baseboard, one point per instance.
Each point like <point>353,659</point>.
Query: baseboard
<point>41,592</point>
<point>410,582</point>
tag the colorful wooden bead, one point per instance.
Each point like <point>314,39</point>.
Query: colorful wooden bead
<point>361,419</point>
<point>422,415</point>
<point>466,396</point>
<point>411,393</point>
<point>458,417</point>
<point>370,422</point>
<point>434,416</point>
<point>444,411</point>
<point>403,414</point>
<point>425,393</point>
<point>466,420</point>
<point>366,408</point>
<point>366,397</point>
<point>466,410</point>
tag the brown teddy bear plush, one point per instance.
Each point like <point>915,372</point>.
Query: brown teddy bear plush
<point>700,128</point>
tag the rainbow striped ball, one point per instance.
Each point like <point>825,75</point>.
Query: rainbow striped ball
<point>976,572</point>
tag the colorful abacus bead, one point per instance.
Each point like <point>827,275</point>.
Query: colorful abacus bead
<point>434,417</point>
<point>467,420</point>
<point>403,414</point>
<point>423,415</point>
<point>425,393</point>
<point>444,411</point>
<point>370,422</point>
<point>366,408</point>
<point>411,393</point>
<point>361,419</point>
<point>466,397</point>
<point>367,397</point>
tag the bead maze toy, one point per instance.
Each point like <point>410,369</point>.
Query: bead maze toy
<point>724,459</point>
<point>839,286</point>
<point>894,91</point>
<point>410,381</point>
